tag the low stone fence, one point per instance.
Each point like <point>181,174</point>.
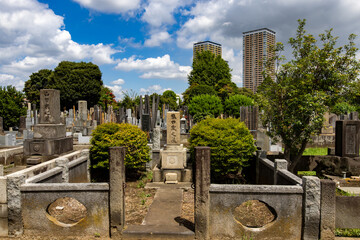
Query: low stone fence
<point>40,202</point>
<point>348,211</point>
<point>295,208</point>
<point>11,155</point>
<point>72,167</point>
<point>282,203</point>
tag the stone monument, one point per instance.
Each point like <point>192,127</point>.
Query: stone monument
<point>173,156</point>
<point>1,126</point>
<point>49,134</point>
<point>347,138</point>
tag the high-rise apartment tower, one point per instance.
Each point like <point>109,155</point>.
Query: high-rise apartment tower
<point>207,46</point>
<point>255,50</point>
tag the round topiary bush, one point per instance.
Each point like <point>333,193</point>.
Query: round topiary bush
<point>232,104</point>
<point>202,106</point>
<point>112,135</point>
<point>231,143</point>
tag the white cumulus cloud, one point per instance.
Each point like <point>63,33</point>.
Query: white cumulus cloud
<point>153,89</point>
<point>33,37</point>
<point>157,39</point>
<point>118,82</point>
<point>160,67</point>
<point>110,6</point>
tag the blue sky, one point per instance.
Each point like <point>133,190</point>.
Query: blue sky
<point>146,45</point>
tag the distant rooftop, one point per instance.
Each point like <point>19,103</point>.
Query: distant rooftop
<point>259,30</point>
<point>198,43</point>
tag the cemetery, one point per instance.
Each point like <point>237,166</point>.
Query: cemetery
<point>47,185</point>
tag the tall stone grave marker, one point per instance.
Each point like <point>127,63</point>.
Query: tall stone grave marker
<point>82,107</point>
<point>347,138</point>
<point>1,125</point>
<point>49,135</point>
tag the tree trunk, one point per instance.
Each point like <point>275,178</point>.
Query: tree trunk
<point>295,159</point>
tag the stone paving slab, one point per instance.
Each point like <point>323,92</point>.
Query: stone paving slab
<point>165,208</point>
<point>353,190</point>
<point>157,232</point>
<point>180,185</point>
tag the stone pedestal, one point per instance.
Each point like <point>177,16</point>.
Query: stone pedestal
<point>173,156</point>
<point>49,135</point>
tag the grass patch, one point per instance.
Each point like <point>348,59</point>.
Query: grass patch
<point>306,173</point>
<point>315,152</point>
<point>347,232</point>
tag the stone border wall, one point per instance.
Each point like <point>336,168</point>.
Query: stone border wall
<point>55,170</point>
<point>9,155</point>
<point>36,198</point>
<point>286,201</point>
<point>348,211</point>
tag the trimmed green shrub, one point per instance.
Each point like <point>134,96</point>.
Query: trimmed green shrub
<point>112,135</point>
<point>231,143</point>
<point>232,104</point>
<point>205,105</point>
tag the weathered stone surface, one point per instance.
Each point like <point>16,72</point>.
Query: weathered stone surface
<point>1,125</point>
<point>347,212</point>
<point>311,207</point>
<point>173,159</point>
<point>14,204</point>
<point>3,210</point>
<point>82,107</point>
<point>285,200</point>
<point>49,131</point>
<point>156,138</point>
<point>171,178</point>
<point>3,227</point>
<point>49,106</point>
<point>117,184</point>
<point>328,206</point>
<point>63,163</point>
<point>173,128</point>
<point>202,195</point>
<point>347,138</point>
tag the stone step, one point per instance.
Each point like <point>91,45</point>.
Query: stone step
<point>157,232</point>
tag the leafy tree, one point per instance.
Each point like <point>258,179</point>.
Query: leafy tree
<point>37,81</point>
<point>213,71</point>
<point>107,98</point>
<point>196,90</point>
<point>111,135</point>
<point>343,108</point>
<point>246,92</point>
<point>11,106</point>
<point>169,97</point>
<point>231,143</point>
<point>295,96</point>
<point>77,81</point>
<point>130,100</point>
<point>202,106</point>
<point>232,104</point>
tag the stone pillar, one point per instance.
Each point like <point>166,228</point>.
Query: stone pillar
<point>259,154</point>
<point>278,165</point>
<point>1,170</point>
<point>156,138</point>
<point>327,209</point>
<point>86,153</point>
<point>311,208</point>
<point>1,125</point>
<point>82,107</point>
<point>117,185</point>
<point>49,106</point>
<point>14,204</point>
<point>202,195</point>
<point>64,164</point>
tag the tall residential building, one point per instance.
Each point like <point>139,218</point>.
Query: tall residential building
<point>207,46</point>
<point>255,50</point>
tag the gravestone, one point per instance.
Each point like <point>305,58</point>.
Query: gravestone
<point>35,116</point>
<point>82,107</point>
<point>173,157</point>
<point>128,116</point>
<point>22,125</point>
<point>145,123</point>
<point>49,135</point>
<point>347,138</point>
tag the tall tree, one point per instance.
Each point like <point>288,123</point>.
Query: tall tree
<point>169,97</point>
<point>107,98</point>
<point>37,81</point>
<point>77,81</point>
<point>11,106</point>
<point>296,95</point>
<point>212,71</point>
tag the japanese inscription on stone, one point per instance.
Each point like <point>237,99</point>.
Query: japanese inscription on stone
<point>173,127</point>
<point>49,106</point>
<point>350,143</point>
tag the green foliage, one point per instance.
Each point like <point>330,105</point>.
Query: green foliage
<point>232,104</point>
<point>169,97</point>
<point>343,108</point>
<point>315,152</point>
<point>230,141</point>
<point>76,81</point>
<point>111,135</point>
<point>196,90</point>
<point>205,105</point>
<point>107,98</point>
<point>347,232</point>
<point>130,100</point>
<point>246,92</point>
<point>11,106</point>
<point>294,97</point>
<point>306,173</point>
<point>212,71</point>
<point>37,81</point>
